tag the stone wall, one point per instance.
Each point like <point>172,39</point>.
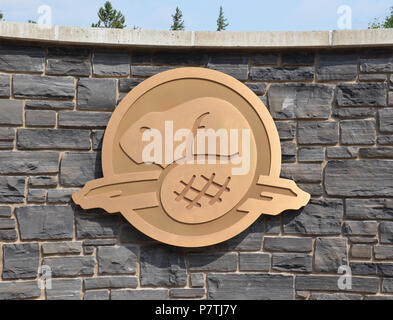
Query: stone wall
<point>336,128</point>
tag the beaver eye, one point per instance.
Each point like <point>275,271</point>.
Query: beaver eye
<point>143,129</point>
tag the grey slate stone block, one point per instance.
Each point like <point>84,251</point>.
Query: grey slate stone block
<point>372,77</point>
<point>5,90</point>
<point>61,195</point>
<point>386,232</point>
<point>292,262</point>
<point>7,223</point>
<point>212,261</point>
<point>96,94</point>
<point>69,247</point>
<point>385,117</point>
<point>68,66</point>
<point>78,168</point>
<point>64,289</point>
<point>300,100</point>
<point>113,282</point>
<point>83,119</point>
<point>361,94</point>
<point>197,280</point>
<point>15,57</point>
<point>27,162</point>
<point>341,152</point>
<point>7,133</point>
<point>5,211</point>
<point>281,73</point>
<point>36,195</point>
<point>372,268</point>
<point>187,293</point>
<point>92,225</point>
<point>288,151</point>
<point>354,113</point>
<point>127,84</point>
<point>361,251</point>
<point>286,129</point>
<point>111,63</point>
<point>97,137</point>
<point>162,266</point>
<point>387,285</point>
<point>302,172</point>
<point>376,65</point>
<point>264,58</point>
<point>179,58</point>
<point>317,132</point>
<point>96,295</point>
<point>20,260</point>
<point>40,118</point>
<point>34,86</point>
<point>6,145</point>
<point>248,240</point>
<point>239,72</point>
<point>76,52</point>
<point>360,228</point>
<point>359,177</point>
<point>45,222</point>
<point>141,57</point>
<point>337,66</point>
<point>273,224</point>
<point>330,283</point>
<point>383,252</point>
<point>128,234</point>
<point>52,105</point>
<point>334,296</point>
<point>367,240</point>
<point>254,261</point>
<point>35,139</point>
<point>148,71</point>
<point>12,189</point>
<point>308,221</point>
<point>43,181</point>
<point>330,254</point>
<point>10,290</point>
<point>242,286</point>
<point>139,294</point>
<point>70,266</point>
<point>297,58</point>
<point>311,154</point>
<point>117,260</point>
<point>11,112</point>
<point>358,131</point>
<point>259,88</point>
<point>8,235</point>
<point>290,244</point>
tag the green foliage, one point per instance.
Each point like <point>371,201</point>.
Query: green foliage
<point>221,21</point>
<point>109,17</point>
<point>1,15</point>
<point>31,21</point>
<point>388,23</point>
<point>178,23</point>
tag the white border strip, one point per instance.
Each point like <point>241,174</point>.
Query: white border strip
<point>194,39</point>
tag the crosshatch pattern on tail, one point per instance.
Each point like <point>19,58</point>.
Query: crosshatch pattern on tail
<point>203,192</point>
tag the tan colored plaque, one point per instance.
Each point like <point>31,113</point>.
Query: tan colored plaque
<point>213,173</point>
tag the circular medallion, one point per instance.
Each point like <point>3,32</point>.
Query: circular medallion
<point>191,157</point>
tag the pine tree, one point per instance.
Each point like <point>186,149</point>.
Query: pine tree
<point>109,17</point>
<point>178,22</point>
<point>388,23</point>
<point>221,21</point>
<point>1,15</point>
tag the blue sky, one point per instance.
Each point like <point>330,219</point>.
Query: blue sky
<point>243,15</point>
